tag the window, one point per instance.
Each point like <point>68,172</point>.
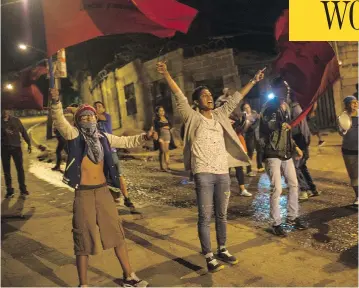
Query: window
<point>130,99</point>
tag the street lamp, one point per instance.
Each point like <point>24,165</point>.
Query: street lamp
<point>53,84</point>
<point>9,87</point>
<point>22,46</point>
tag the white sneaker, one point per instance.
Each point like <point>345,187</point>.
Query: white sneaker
<point>245,193</point>
<point>356,202</point>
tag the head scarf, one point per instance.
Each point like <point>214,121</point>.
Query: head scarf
<point>90,133</point>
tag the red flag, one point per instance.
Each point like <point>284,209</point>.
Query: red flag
<point>69,22</point>
<point>308,67</point>
<point>29,76</point>
<point>20,98</point>
<point>167,13</point>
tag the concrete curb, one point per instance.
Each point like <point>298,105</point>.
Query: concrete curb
<point>32,138</point>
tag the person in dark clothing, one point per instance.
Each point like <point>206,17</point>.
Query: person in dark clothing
<point>61,145</point>
<point>104,124</point>
<point>279,148</point>
<point>301,137</point>
<point>11,128</point>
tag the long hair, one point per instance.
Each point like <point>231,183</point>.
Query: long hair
<point>157,109</point>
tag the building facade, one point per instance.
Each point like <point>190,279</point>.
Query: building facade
<point>131,93</point>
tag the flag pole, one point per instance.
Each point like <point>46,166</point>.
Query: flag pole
<point>53,83</point>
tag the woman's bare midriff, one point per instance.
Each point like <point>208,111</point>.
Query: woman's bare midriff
<point>91,173</point>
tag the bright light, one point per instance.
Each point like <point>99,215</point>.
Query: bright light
<point>271,96</point>
<point>9,87</point>
<point>22,46</point>
<point>340,63</point>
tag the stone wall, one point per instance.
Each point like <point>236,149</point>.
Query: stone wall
<point>212,66</point>
<point>186,72</point>
<point>347,54</point>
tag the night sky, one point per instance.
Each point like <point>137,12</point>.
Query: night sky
<point>251,21</point>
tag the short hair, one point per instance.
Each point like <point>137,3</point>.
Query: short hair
<point>197,92</point>
<point>98,102</point>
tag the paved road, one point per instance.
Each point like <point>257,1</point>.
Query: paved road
<point>162,241</point>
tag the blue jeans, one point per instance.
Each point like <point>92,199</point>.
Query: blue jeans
<point>213,191</point>
<point>274,166</point>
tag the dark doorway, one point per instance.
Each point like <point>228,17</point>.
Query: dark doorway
<point>162,96</point>
<point>326,117</point>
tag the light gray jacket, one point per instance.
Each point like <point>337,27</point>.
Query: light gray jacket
<point>236,153</point>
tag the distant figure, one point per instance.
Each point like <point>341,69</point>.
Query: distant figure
<point>104,124</point>
<point>11,128</point>
<point>165,142</point>
<point>350,143</point>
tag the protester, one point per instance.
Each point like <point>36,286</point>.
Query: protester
<point>11,128</point>
<point>313,124</point>
<point>251,134</point>
<point>104,124</point>
<point>89,163</point>
<point>279,148</point>
<point>301,137</point>
<point>350,143</point>
<point>211,146</point>
<point>165,141</point>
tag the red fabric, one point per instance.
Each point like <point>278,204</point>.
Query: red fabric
<point>69,22</point>
<point>23,98</point>
<point>167,13</point>
<point>308,67</point>
<point>29,76</point>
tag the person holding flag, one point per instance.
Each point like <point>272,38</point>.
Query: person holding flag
<point>89,168</point>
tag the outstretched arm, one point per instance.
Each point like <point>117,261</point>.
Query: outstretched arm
<point>233,102</point>
<point>67,131</point>
<point>184,109</point>
<point>131,141</point>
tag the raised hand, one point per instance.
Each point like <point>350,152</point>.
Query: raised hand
<point>151,134</point>
<point>161,67</point>
<point>260,75</point>
<point>55,94</point>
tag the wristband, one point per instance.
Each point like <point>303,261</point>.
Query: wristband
<point>253,81</point>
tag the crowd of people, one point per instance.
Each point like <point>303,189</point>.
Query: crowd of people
<point>217,136</point>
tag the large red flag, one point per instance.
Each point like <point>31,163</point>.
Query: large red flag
<point>29,97</point>
<point>69,22</point>
<point>308,67</point>
<point>25,95</point>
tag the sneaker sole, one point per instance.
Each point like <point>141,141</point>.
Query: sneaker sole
<point>219,268</point>
<point>229,262</point>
